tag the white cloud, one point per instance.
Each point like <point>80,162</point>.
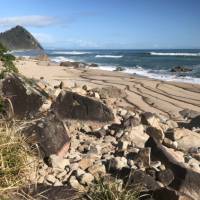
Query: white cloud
<point>44,38</point>
<point>31,20</point>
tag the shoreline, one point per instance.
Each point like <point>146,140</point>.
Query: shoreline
<point>145,94</point>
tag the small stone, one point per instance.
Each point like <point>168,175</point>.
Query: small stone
<point>61,175</point>
<point>75,184</point>
<point>165,177</point>
<point>96,95</point>
<point>162,167</point>
<point>123,145</point>
<point>119,133</point>
<point>155,133</point>
<point>97,170</point>
<point>58,162</point>
<point>110,139</point>
<point>86,163</point>
<point>40,179</point>
<point>79,172</point>
<point>144,156</point>
<point>85,87</point>
<point>86,179</point>
<point>118,163</point>
<point>51,179</point>
<point>57,183</point>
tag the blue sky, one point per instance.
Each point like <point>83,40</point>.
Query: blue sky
<point>85,24</point>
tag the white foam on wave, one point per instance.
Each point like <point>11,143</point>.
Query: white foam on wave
<point>173,54</point>
<point>165,76</point>
<point>71,52</point>
<point>108,56</point>
<point>61,59</point>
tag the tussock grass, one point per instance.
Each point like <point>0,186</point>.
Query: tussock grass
<point>103,190</point>
<point>17,161</point>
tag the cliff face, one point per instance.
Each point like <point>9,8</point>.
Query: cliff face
<point>19,38</point>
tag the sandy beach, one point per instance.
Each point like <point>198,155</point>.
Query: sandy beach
<point>150,95</point>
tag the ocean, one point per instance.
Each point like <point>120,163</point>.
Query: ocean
<point>151,63</point>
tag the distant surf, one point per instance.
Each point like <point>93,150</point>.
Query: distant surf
<point>108,56</point>
<point>71,52</point>
<point>173,54</point>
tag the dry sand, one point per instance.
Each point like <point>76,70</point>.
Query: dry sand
<point>167,98</point>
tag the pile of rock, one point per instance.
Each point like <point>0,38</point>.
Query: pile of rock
<point>84,139</point>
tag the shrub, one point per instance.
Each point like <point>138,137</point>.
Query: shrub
<point>7,59</point>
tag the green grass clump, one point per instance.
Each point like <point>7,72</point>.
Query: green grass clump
<point>7,60</point>
<point>103,190</point>
<point>14,157</point>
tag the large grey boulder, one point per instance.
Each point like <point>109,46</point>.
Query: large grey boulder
<point>25,95</point>
<point>70,105</point>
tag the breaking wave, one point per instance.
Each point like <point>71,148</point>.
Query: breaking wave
<point>108,56</point>
<point>173,54</point>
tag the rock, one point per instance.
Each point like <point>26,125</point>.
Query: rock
<point>59,163</point>
<point>93,65</point>
<point>189,114</point>
<point>86,162</point>
<point>123,145</point>
<point>185,181</point>
<point>169,143</point>
<point>155,133</point>
<point>119,69</point>
<point>136,135</point>
<point>51,179</point>
<point>131,122</point>
<point>99,133</point>
<point>139,177</point>
<point>181,69</point>
<point>75,184</point>
<point>51,135</point>
<point>148,118</point>
<point>73,64</point>
<point>169,194</point>
<point>144,155</point>
<point>195,122</point>
<point>96,95</point>
<point>24,94</point>
<point>43,191</point>
<point>79,172</point>
<point>186,139</point>
<point>42,57</point>
<point>118,163</point>
<point>86,179</point>
<point>110,92</point>
<point>57,183</point>
<point>70,105</point>
<point>97,170</point>
<point>165,177</point>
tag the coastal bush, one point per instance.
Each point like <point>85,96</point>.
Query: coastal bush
<point>7,60</point>
<point>102,190</point>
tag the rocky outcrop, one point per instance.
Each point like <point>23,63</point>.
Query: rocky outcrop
<point>70,105</point>
<point>181,69</point>
<point>25,95</point>
<point>19,38</point>
<point>73,64</point>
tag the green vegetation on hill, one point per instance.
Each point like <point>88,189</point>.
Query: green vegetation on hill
<point>19,38</point>
<point>7,61</point>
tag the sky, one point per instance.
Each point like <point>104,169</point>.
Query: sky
<point>106,24</point>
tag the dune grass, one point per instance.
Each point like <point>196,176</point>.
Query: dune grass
<point>16,158</point>
<point>103,190</point>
